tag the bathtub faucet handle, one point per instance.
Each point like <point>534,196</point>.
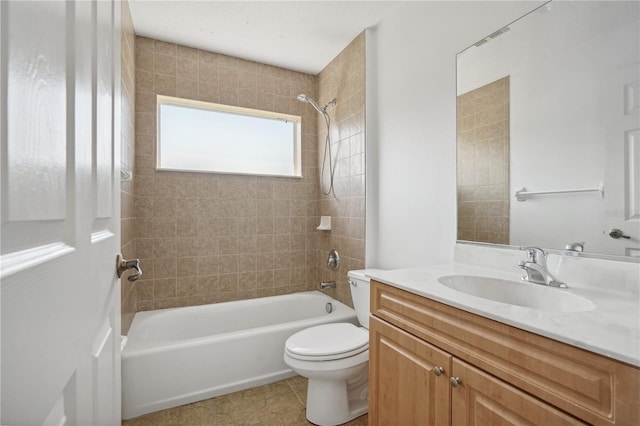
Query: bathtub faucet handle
<point>328,284</point>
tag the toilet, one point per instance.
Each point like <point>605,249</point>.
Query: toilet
<point>335,359</point>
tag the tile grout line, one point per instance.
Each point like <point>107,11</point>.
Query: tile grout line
<point>304,405</point>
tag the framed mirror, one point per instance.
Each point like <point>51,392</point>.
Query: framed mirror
<point>548,131</point>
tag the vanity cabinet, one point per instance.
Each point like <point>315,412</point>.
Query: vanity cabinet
<point>507,375</point>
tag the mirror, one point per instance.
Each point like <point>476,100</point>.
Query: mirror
<point>548,130</point>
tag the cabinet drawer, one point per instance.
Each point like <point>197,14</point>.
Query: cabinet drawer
<point>589,386</point>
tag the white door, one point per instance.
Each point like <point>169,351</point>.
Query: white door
<point>60,310</point>
<point>622,169</point>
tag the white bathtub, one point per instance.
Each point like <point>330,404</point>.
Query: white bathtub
<point>182,355</point>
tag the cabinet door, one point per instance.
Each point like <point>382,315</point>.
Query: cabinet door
<point>403,385</point>
<point>481,399</point>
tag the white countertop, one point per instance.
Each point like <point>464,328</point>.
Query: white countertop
<point>611,329</point>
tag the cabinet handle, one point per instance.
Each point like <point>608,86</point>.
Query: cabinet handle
<point>438,371</point>
<point>455,381</point>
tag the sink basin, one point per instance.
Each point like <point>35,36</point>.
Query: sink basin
<point>517,293</point>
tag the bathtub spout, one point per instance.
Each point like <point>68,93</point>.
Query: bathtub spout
<point>328,284</point>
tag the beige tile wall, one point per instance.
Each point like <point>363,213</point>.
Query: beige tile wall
<point>205,238</point>
<point>344,80</point>
<point>128,293</point>
<point>483,163</point>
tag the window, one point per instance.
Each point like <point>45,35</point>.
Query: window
<point>208,137</point>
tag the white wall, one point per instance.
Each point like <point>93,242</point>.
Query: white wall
<point>411,126</point>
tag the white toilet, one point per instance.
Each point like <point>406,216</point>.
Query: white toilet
<point>335,359</point>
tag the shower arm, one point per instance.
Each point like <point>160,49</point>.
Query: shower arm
<point>332,102</point>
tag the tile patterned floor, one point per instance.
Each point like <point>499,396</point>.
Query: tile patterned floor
<point>278,404</point>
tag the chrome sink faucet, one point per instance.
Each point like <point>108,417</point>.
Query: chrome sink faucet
<point>536,268</point>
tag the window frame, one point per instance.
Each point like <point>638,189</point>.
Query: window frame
<point>229,109</point>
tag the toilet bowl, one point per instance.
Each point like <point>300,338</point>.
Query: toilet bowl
<point>335,359</point>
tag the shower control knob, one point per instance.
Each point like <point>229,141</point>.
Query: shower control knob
<point>438,371</point>
<point>333,261</point>
<point>455,381</point>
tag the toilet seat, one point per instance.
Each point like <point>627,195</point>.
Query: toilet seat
<point>327,342</point>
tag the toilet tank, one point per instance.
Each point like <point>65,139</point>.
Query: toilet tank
<point>360,294</point>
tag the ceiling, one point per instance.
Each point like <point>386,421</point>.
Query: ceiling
<point>298,35</point>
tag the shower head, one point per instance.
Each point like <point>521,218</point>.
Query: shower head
<point>305,98</point>
<point>327,142</point>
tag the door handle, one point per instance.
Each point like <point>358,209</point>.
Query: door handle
<point>123,265</point>
<point>617,233</point>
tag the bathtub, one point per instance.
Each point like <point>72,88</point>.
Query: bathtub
<point>182,355</point>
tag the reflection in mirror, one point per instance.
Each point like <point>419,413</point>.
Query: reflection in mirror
<point>549,130</point>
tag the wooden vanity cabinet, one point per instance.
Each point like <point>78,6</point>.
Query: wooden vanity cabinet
<point>507,375</point>
<point>405,389</point>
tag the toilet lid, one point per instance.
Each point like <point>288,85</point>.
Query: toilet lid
<point>328,341</point>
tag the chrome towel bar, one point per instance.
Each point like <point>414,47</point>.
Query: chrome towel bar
<point>522,193</point>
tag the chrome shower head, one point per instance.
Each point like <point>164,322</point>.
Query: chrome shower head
<point>327,142</point>
<point>304,98</point>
